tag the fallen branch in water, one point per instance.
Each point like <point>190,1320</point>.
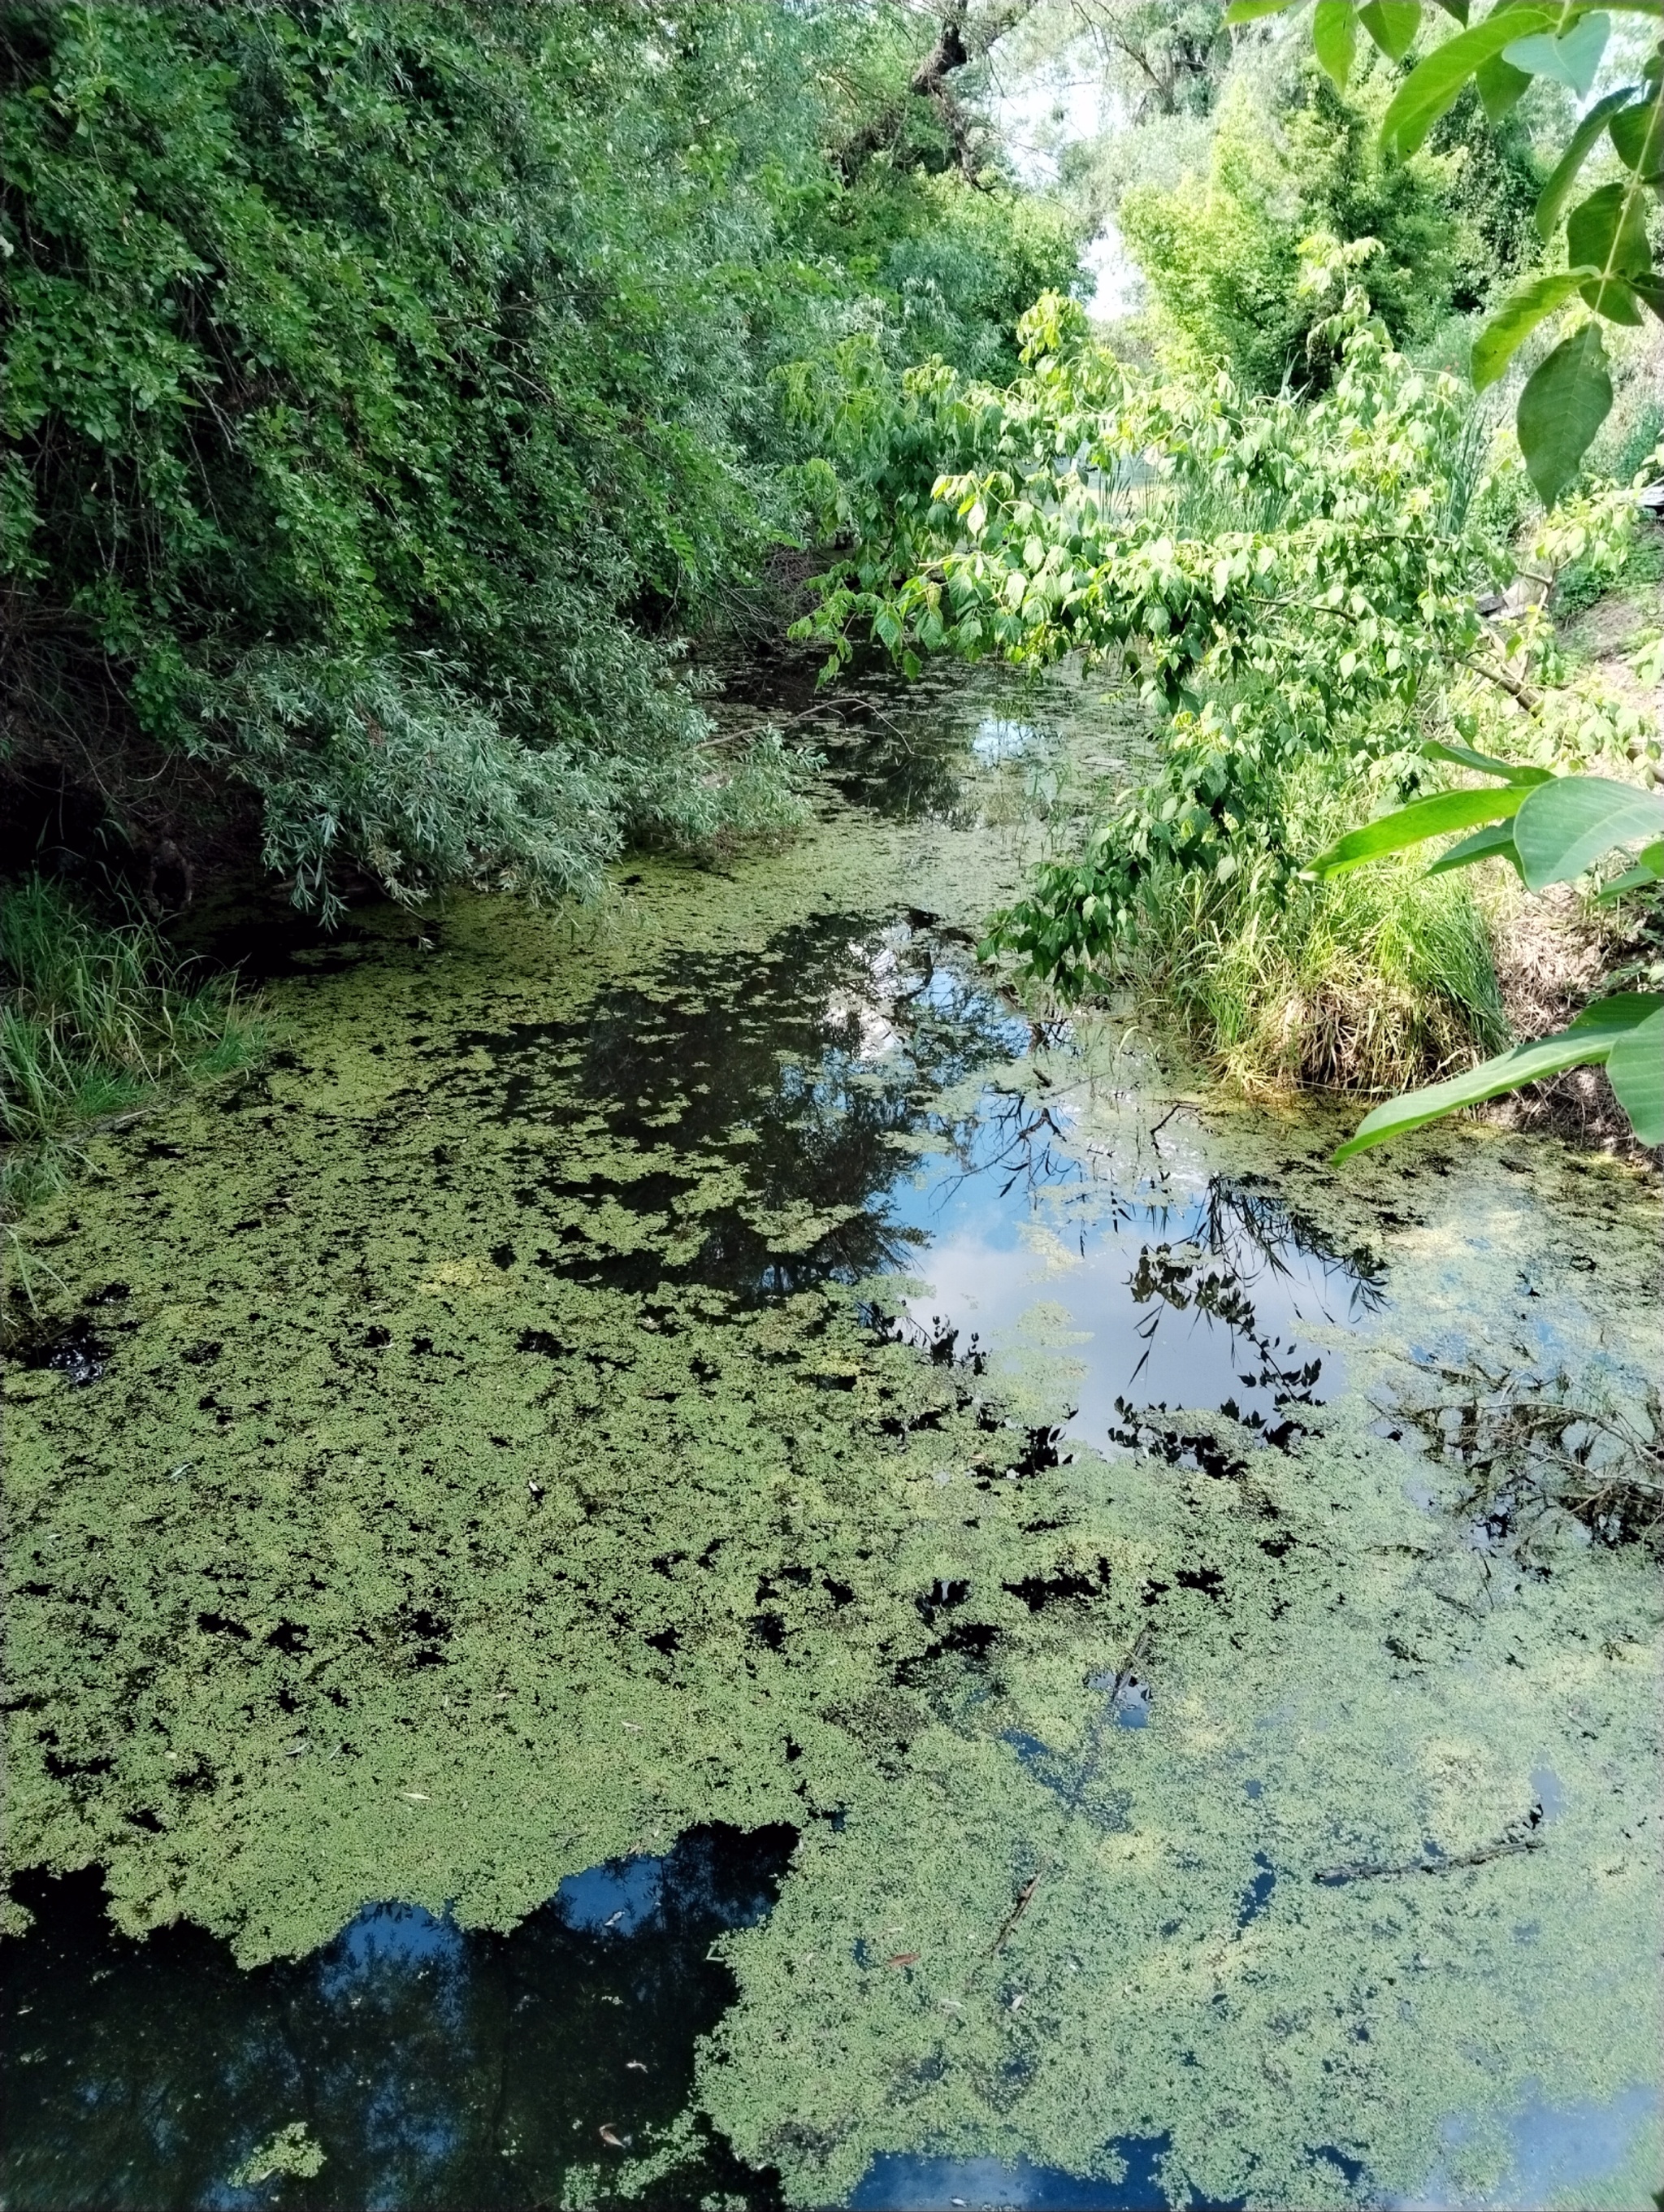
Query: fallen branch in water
<point>1370,1870</point>
<point>1088,1769</point>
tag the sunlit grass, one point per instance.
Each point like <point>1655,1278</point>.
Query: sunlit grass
<point>1374,981</point>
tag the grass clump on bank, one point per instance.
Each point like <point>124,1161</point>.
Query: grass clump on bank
<point>97,1017</point>
<point>1383,978</point>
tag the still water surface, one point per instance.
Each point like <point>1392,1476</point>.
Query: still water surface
<point>1081,1848</point>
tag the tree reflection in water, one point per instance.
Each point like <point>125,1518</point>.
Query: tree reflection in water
<point>440,2067</point>
<point>860,1101</point>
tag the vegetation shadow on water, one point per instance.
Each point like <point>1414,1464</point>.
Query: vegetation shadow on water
<point>439,2067</point>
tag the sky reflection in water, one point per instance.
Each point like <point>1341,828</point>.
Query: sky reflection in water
<point>1170,1288</point>
<point>862,1070</point>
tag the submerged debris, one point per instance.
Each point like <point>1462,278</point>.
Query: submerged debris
<point>1527,1442</point>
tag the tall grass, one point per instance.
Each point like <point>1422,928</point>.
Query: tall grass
<point>94,1019</point>
<point>1374,981</point>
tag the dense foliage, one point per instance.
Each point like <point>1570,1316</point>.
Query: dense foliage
<point>1608,253</point>
<point>385,388</point>
<point>1271,572</point>
<point>1552,829</point>
<point>1222,252</point>
<point>1294,587</point>
<point>1295,582</point>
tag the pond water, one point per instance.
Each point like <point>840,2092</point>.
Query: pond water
<point>687,1559</point>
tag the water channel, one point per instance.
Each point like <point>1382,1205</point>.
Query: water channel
<point>685,1558</point>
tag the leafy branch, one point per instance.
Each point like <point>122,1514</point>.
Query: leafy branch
<point>1609,269</point>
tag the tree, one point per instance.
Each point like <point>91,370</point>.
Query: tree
<point>385,390</point>
<point>1552,830</point>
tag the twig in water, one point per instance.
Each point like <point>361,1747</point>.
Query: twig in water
<point>1371,1870</point>
<point>1088,1768</point>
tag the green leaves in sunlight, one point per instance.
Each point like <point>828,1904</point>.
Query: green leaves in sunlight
<point>1287,570</point>
<point>1609,259</point>
<point>1413,825</point>
<point>1649,870</point>
<point>1494,843</point>
<point>1632,1019</point>
<point>1566,399</point>
<point>1461,755</point>
<point>1570,58</point>
<point>1608,232</point>
<point>1634,1068</point>
<point>385,388</point>
<point>1567,825</point>
<point>1253,11</point>
<point>1637,134</point>
<point>1392,24</point>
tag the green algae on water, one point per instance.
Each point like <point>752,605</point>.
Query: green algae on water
<point>477,1464</point>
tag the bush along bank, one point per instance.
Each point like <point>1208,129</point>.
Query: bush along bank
<point>1294,587</point>
<point>387,390</point>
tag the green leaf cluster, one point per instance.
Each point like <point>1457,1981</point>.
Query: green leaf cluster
<point>384,389</point>
<point>1278,578</point>
<point>1609,260</point>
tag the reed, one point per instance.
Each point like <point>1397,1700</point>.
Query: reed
<point>98,1020</point>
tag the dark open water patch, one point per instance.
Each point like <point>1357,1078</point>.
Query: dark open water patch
<point>434,2066</point>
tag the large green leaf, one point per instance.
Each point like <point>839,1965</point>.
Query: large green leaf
<point>1392,24</point>
<point>1250,11</point>
<point>1636,1067</point>
<point>1436,80</point>
<point>1518,316</point>
<point>1566,399</point>
<point>1608,231</point>
<point>1556,191</point>
<point>1413,825</point>
<point>1334,38</point>
<point>1462,755</point>
<point>1639,135</point>
<point>1590,1038</point>
<point>1572,59</point>
<point>1494,843</point>
<point>1565,826</point>
<point>1500,88</point>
